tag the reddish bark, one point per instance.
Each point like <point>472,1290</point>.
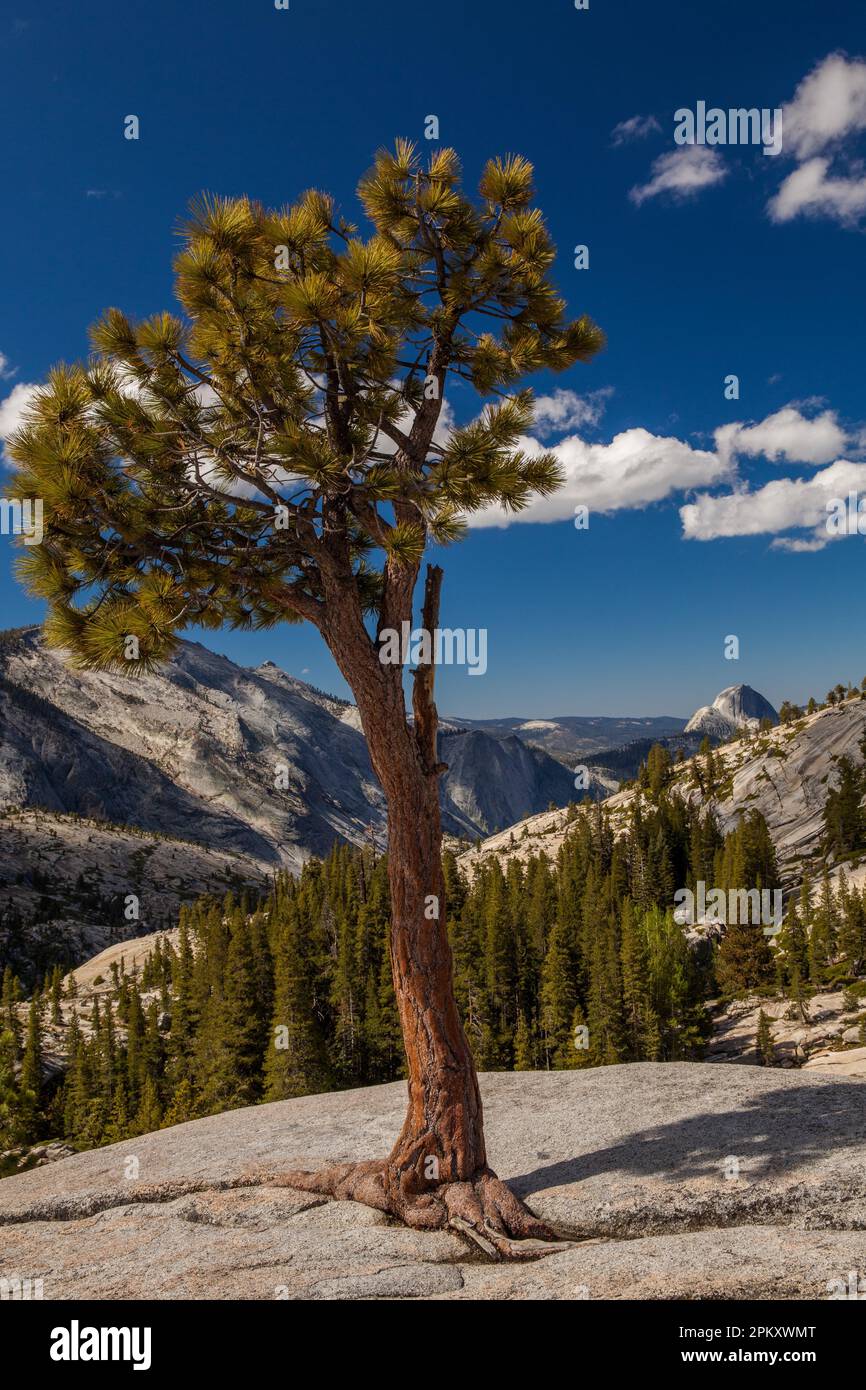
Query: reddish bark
<point>437,1172</point>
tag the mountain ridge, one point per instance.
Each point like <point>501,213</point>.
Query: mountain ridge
<point>250,766</point>
<point>784,772</point>
<point>736,707</point>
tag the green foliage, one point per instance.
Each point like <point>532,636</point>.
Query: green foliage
<point>239,462</point>
<point>292,995</point>
<point>764,1041</point>
<point>746,861</point>
<point>844,814</point>
<point>656,773</point>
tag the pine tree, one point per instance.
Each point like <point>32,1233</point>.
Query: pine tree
<point>679,1019</point>
<point>149,1116</point>
<point>844,819</point>
<point>822,936</point>
<point>745,961</point>
<point>55,995</point>
<point>184,1017</point>
<point>851,938</point>
<point>313,346</point>
<point>15,1121</point>
<point>764,1042</point>
<point>9,1000</point>
<point>604,1005</point>
<point>558,1000</point>
<point>296,1060</point>
<point>31,1081</point>
<point>524,1046</point>
<point>183,1105</point>
<point>640,1024</point>
<point>794,946</point>
<point>118,1126</point>
<point>234,1073</point>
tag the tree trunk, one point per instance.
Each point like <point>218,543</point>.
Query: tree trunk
<point>436,1175</point>
<point>442,1139</point>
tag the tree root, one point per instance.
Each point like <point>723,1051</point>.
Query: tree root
<point>482,1209</point>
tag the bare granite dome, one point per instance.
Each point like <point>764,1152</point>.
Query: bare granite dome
<point>735,707</point>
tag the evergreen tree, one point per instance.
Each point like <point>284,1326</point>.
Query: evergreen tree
<point>794,946</point>
<point>852,928</point>
<point>296,1061</point>
<point>313,346</point>
<point>844,819</point>
<point>15,1121</point>
<point>764,1042</point>
<point>524,1046</point>
<point>149,1115</point>
<point>31,1082</point>
<point>745,961</point>
<point>639,1020</point>
<point>558,1001</point>
<point>822,936</point>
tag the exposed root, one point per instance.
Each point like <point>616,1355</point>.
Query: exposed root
<point>483,1209</point>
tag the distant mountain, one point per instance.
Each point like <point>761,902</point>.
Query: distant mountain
<point>203,750</point>
<point>735,707</point>
<point>784,773</point>
<point>573,737</point>
<point>243,771</point>
<point>487,777</point>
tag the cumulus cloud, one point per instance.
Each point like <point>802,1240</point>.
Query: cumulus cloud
<point>785,435</point>
<point>12,408</point>
<point>828,106</point>
<point>785,504</point>
<point>812,191</point>
<point>635,128</point>
<point>681,173</point>
<point>638,468</point>
<point>827,112</point>
<point>634,470</point>
<point>565,410</point>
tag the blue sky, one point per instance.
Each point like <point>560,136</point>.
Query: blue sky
<point>703,262</point>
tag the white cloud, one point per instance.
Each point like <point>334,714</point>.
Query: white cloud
<point>784,504</point>
<point>818,125</point>
<point>785,435</point>
<point>795,546</point>
<point>12,408</point>
<point>638,468</point>
<point>681,173</point>
<point>635,128</point>
<point>811,191</point>
<point>634,470</point>
<point>827,112</point>
<point>565,410</point>
<point>828,105</point>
